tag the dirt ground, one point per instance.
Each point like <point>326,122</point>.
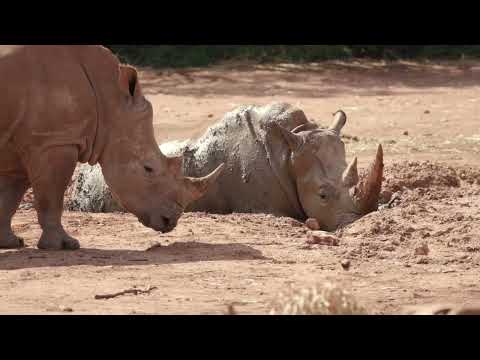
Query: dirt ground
<point>425,115</point>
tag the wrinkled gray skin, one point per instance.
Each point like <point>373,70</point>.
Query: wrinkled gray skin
<point>277,162</point>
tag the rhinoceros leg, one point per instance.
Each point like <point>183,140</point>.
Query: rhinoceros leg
<point>11,194</point>
<point>50,179</point>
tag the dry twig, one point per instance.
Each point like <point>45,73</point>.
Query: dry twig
<point>125,292</point>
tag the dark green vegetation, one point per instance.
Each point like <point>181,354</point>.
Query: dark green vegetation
<point>203,55</point>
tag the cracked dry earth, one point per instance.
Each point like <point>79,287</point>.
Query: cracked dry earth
<point>424,248</point>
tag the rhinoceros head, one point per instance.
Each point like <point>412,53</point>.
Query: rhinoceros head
<point>141,178</point>
<point>328,189</point>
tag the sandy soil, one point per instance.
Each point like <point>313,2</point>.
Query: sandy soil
<point>425,115</point>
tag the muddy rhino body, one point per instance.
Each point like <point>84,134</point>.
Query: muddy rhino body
<point>276,162</point>
<point>60,105</point>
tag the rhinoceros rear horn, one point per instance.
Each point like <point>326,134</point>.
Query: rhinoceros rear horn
<point>197,187</point>
<point>339,121</point>
<point>350,175</point>
<point>367,191</point>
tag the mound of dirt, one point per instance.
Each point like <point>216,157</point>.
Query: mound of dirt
<point>427,180</point>
<point>435,206</point>
<point>414,175</point>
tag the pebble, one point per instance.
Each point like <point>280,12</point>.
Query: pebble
<point>423,260</point>
<point>422,249</point>
<point>389,248</point>
<point>312,224</point>
<point>346,264</point>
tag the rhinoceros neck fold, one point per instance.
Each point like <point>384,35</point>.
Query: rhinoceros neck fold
<point>284,176</point>
<point>98,138</point>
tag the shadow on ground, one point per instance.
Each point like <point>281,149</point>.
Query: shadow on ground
<point>177,253</point>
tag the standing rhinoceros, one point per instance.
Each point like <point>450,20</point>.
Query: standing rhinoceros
<point>60,105</point>
<point>277,162</point>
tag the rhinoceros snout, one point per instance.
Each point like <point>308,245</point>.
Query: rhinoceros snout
<point>164,224</point>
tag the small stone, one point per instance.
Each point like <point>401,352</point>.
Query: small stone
<point>65,309</point>
<point>389,248</point>
<point>312,224</point>
<point>405,133</point>
<point>322,238</point>
<point>346,264</point>
<point>422,249</point>
<point>395,242</point>
<point>210,116</point>
<point>426,112</point>
<point>423,260</point>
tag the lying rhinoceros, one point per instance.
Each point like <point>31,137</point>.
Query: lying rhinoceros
<point>277,162</point>
<point>60,105</point>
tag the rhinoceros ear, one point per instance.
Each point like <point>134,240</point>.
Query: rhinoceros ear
<point>129,83</point>
<point>294,141</point>
<point>339,121</point>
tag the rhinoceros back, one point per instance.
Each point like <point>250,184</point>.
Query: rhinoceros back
<point>46,99</point>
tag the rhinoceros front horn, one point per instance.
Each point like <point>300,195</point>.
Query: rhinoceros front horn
<point>367,191</point>
<point>197,187</point>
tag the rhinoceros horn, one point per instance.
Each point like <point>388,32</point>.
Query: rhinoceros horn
<point>310,126</point>
<point>197,187</point>
<point>350,175</point>
<point>367,192</point>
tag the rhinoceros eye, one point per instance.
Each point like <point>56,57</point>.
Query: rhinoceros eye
<point>322,195</point>
<point>148,169</point>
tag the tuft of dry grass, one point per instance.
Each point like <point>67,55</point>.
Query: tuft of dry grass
<point>325,299</point>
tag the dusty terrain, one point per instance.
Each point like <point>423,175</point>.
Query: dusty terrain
<point>425,115</point>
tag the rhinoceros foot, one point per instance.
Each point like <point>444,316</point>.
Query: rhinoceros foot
<point>10,241</point>
<point>57,240</point>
